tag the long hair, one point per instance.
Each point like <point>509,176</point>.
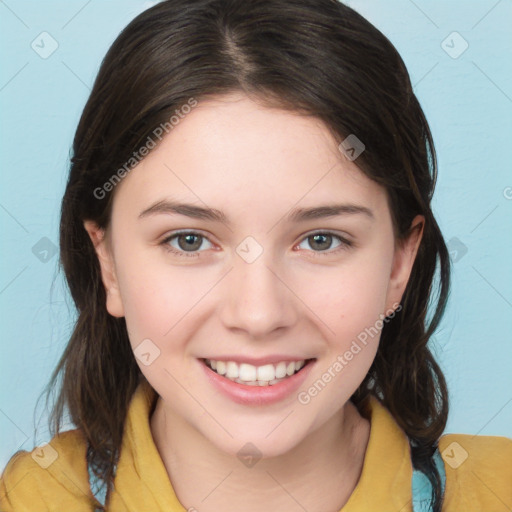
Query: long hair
<point>318,58</point>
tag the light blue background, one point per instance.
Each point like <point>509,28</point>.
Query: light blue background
<point>467,100</point>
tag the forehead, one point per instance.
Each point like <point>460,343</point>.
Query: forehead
<point>232,151</point>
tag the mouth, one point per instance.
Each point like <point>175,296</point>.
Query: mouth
<point>260,376</point>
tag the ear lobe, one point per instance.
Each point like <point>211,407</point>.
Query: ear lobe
<point>114,304</point>
<point>403,261</point>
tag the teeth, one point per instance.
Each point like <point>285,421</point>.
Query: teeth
<point>267,372</point>
<point>266,375</point>
<point>248,372</point>
<point>221,367</point>
<point>281,370</point>
<point>231,370</point>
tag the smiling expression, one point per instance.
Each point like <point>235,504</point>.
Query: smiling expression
<point>247,245</point>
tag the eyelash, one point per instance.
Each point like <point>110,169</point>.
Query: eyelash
<point>344,243</point>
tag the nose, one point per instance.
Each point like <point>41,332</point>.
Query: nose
<point>258,299</point>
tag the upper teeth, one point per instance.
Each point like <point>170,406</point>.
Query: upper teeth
<point>249,373</point>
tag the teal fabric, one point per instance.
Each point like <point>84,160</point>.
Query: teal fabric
<point>422,488</point>
<point>98,488</point>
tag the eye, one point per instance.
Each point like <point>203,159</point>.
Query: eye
<point>322,241</point>
<point>188,243</point>
<point>184,243</point>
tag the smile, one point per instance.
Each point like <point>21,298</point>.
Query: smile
<point>275,379</point>
<point>250,375</point>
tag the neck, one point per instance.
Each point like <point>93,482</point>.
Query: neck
<point>317,475</point>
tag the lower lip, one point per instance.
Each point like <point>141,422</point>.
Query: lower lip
<point>257,395</point>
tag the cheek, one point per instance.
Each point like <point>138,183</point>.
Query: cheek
<point>351,297</point>
<point>349,301</point>
<point>155,296</point>
<point>157,303</point>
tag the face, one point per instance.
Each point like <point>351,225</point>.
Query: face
<point>254,278</point>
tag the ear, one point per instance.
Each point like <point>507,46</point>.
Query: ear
<point>114,304</point>
<point>403,261</point>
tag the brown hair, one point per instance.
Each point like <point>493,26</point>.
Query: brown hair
<point>319,58</point>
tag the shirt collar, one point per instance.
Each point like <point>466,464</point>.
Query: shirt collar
<point>384,484</point>
<point>385,481</point>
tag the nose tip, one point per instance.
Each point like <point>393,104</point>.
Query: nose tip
<point>257,300</point>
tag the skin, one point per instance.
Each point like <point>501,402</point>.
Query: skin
<point>255,164</point>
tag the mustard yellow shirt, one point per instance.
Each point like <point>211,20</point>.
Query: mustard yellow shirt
<point>478,471</point>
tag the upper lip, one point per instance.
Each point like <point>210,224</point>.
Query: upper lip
<point>259,361</point>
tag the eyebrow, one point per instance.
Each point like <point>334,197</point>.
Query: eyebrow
<point>295,215</point>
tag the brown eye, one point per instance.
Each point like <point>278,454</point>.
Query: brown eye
<point>185,242</point>
<point>320,242</point>
<point>189,242</point>
<point>323,242</point>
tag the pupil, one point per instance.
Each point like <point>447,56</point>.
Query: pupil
<point>189,242</point>
<point>318,241</point>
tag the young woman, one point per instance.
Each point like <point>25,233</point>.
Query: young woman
<point>248,238</point>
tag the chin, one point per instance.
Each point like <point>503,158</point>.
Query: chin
<point>261,442</point>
